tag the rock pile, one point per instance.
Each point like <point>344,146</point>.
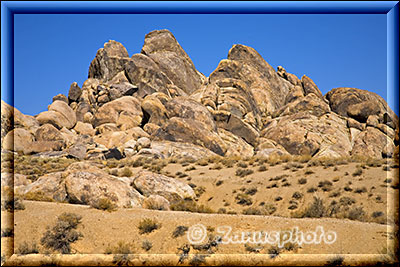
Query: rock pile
<point>157,104</point>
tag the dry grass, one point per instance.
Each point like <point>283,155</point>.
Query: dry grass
<point>148,225</point>
<point>191,206</point>
<point>104,204</point>
<point>64,233</point>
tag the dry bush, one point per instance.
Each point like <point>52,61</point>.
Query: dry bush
<point>308,172</point>
<point>26,248</point>
<point>252,249</point>
<point>243,172</point>
<point>9,201</point>
<point>251,191</point>
<point>104,204</point>
<point>37,196</point>
<point>216,166</point>
<point>360,190</point>
<point>297,195</point>
<point>243,199</point>
<point>63,233</point>
<point>266,209</point>
<point>179,231</point>
<point>120,248</point>
<point>147,245</point>
<point>199,190</point>
<point>336,261</point>
<point>302,181</point>
<point>302,158</point>
<point>242,164</point>
<point>148,225</point>
<point>325,185</point>
<point>357,172</point>
<point>356,213</point>
<point>262,168</point>
<point>190,205</point>
<point>219,182</point>
<point>191,168</point>
<point>315,210</point>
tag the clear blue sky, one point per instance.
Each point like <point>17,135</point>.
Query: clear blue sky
<point>52,51</point>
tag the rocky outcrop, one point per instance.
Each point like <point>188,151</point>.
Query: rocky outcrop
<point>360,104</point>
<point>162,47</point>
<point>109,61</point>
<point>245,64</point>
<point>148,183</point>
<point>190,131</point>
<point>156,104</point>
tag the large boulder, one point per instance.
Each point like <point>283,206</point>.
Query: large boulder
<point>66,111</point>
<point>306,134</point>
<point>149,183</point>
<point>83,183</point>
<point>48,132</point>
<point>7,119</point>
<point>373,143</point>
<point>74,92</point>
<point>310,103</point>
<point>245,64</point>
<point>17,140</point>
<point>360,104</point>
<point>154,110</point>
<point>236,146</point>
<point>187,108</point>
<point>162,47</point>
<point>190,131</point>
<point>109,61</point>
<point>110,112</point>
<point>310,87</point>
<point>142,71</point>
<point>181,150</point>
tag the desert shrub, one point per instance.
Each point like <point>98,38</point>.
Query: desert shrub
<point>357,172</point>
<point>7,232</point>
<point>347,188</point>
<point>360,190</point>
<point>377,214</point>
<point>198,259</point>
<point>191,168</point>
<point>279,177</point>
<point>297,195</point>
<point>228,162</point>
<point>199,191</point>
<point>120,248</point>
<point>302,181</point>
<point>252,249</point>
<point>278,199</point>
<point>308,172</point>
<point>9,201</point>
<point>251,191</point>
<point>148,225</point>
<point>63,233</point>
<point>221,211</point>
<point>113,172</point>
<point>243,199</point>
<point>286,184</point>
<point>147,245</point>
<point>312,190</point>
<point>336,261</point>
<point>179,231</point>
<point>26,248</point>
<point>316,209</point>
<point>335,194</point>
<point>325,185</point>
<point>262,168</point>
<point>273,251</point>
<point>219,182</point>
<point>216,166</point>
<point>356,213</point>
<point>242,164</point>
<point>190,205</point>
<point>202,162</point>
<point>104,204</point>
<point>266,209</point>
<point>243,172</point>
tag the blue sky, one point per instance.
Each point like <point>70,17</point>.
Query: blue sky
<point>52,51</point>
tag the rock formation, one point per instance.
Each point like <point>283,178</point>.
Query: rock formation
<point>156,104</point>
